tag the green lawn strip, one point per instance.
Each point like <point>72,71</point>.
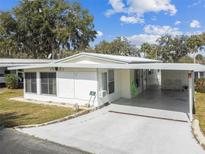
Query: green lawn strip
<point>13,113</point>
<point>200,109</point>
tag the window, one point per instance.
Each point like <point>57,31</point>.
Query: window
<point>111,81</point>
<point>104,81</point>
<point>48,83</point>
<point>201,74</point>
<point>30,81</point>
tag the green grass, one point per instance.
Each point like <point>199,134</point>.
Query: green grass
<point>200,109</point>
<point>13,113</point>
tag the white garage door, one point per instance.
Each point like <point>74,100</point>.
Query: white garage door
<point>76,85</point>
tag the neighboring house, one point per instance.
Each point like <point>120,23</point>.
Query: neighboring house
<point>199,75</point>
<point>94,79</point>
<point>12,62</point>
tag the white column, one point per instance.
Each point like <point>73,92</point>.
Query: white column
<point>24,84</point>
<point>199,75</point>
<point>191,87</point>
<point>38,83</point>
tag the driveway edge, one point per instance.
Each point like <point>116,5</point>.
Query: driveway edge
<point>198,133</point>
<point>63,119</point>
<point>56,121</point>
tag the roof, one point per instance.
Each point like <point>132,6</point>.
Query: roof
<point>155,66</point>
<point>8,62</point>
<point>125,62</point>
<point>123,59</point>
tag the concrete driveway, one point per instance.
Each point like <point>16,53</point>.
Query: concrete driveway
<point>106,132</point>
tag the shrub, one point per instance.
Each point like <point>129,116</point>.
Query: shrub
<point>11,81</point>
<point>200,85</point>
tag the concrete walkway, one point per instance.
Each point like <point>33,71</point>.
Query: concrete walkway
<point>105,132</point>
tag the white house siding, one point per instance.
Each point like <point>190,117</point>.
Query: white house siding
<point>126,77</point>
<point>109,97</point>
<point>73,86</point>
<point>153,78</point>
<point>174,79</point>
<point>66,85</point>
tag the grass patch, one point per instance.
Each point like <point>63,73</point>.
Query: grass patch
<point>13,113</point>
<point>200,109</point>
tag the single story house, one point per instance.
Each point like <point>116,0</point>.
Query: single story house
<point>199,75</point>
<point>95,79</point>
<point>12,62</point>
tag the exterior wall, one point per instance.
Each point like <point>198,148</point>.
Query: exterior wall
<point>123,81</point>
<point>154,78</point>
<point>145,81</point>
<point>84,83</point>
<point>64,84</point>
<point>174,79</point>
<point>109,97</point>
<point>126,78</point>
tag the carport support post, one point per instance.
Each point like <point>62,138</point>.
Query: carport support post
<point>191,99</point>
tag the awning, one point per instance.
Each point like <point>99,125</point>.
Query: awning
<point>151,66</point>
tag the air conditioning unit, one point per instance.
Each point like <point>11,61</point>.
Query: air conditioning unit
<point>102,93</point>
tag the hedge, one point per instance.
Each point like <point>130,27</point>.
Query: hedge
<point>11,81</point>
<point>200,85</point>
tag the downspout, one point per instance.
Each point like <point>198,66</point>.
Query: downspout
<point>191,95</point>
<point>98,87</point>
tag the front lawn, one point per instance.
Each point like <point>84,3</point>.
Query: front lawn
<point>14,113</point>
<point>200,109</point>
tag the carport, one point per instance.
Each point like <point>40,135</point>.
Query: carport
<point>173,100</point>
<point>162,94</point>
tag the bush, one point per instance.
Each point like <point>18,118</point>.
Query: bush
<point>200,85</point>
<point>11,81</point>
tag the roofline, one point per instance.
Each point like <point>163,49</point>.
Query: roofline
<point>25,58</point>
<point>84,54</point>
<point>102,58</point>
<point>19,65</point>
<point>151,66</point>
